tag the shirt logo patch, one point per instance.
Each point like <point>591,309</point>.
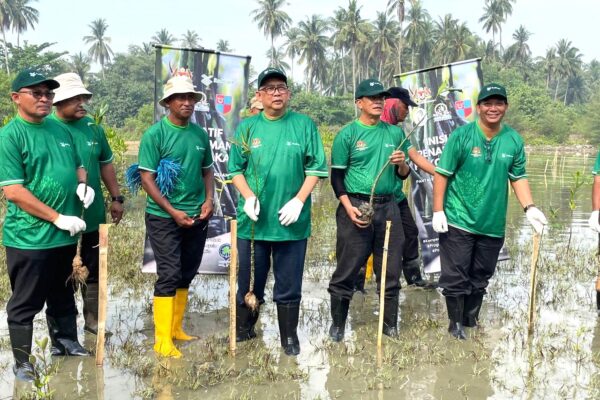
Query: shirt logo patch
<point>361,145</point>
<point>292,144</point>
<point>476,152</point>
<point>388,145</point>
<point>91,143</point>
<point>255,143</point>
<point>504,155</point>
<point>63,144</point>
<point>199,148</point>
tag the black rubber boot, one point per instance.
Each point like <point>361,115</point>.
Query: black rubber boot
<point>287,316</point>
<point>63,335</point>
<point>390,317</point>
<point>21,337</point>
<point>89,293</point>
<point>244,325</point>
<point>455,307</point>
<point>412,274</point>
<point>472,308</point>
<point>359,284</point>
<point>339,313</point>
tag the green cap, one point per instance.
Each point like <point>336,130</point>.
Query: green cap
<point>490,90</point>
<point>271,72</point>
<point>370,87</point>
<point>30,77</point>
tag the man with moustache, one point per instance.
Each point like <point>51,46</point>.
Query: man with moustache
<point>42,177</point>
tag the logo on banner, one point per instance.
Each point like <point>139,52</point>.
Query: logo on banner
<point>225,251</point>
<point>421,94</point>
<point>463,108</point>
<point>223,103</point>
<point>441,113</point>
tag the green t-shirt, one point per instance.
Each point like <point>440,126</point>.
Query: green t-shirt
<point>94,150</point>
<point>190,147</point>
<point>478,171</point>
<point>275,157</point>
<point>362,150</point>
<point>596,170</point>
<point>42,158</point>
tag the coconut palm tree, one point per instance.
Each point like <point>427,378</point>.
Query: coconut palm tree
<point>163,37</point>
<point>398,7</point>
<point>416,29</point>
<point>519,52</point>
<point>313,42</point>
<point>386,32</point>
<point>23,16</point>
<point>444,31</point>
<point>568,64</point>
<point>6,15</point>
<point>100,50</point>
<point>190,40</point>
<point>80,63</point>
<point>223,46</point>
<point>271,19</point>
<point>355,30</point>
<point>292,49</point>
<point>506,8</point>
<point>278,55</point>
<point>339,42</point>
<point>492,18</point>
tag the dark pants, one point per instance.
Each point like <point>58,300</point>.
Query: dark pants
<point>38,277</point>
<point>411,232</point>
<point>355,245</point>
<point>288,267</point>
<point>177,251</point>
<point>468,261</point>
<point>89,254</point>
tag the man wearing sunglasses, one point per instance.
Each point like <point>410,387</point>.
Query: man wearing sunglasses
<point>93,148</point>
<point>276,160</point>
<point>42,177</point>
<point>470,196</point>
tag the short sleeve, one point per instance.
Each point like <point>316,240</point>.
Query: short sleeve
<point>340,151</point>
<point>11,162</point>
<point>448,161</point>
<point>149,153</point>
<point>315,163</point>
<point>238,160</point>
<point>517,169</point>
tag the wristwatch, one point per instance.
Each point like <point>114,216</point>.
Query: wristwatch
<point>119,198</point>
<point>528,206</point>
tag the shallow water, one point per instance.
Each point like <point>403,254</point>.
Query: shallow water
<point>560,360</point>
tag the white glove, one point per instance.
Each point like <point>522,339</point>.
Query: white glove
<point>536,219</point>
<point>593,221</point>
<point>439,222</point>
<point>252,208</point>
<point>85,195</point>
<point>290,212</point>
<point>68,223</point>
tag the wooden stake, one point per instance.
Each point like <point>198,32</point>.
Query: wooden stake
<point>388,226</point>
<point>532,284</point>
<point>102,292</point>
<point>232,286</point>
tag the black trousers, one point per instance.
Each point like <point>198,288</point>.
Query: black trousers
<point>288,268</point>
<point>90,255</point>
<point>355,245</point>
<point>38,277</point>
<point>177,251</point>
<point>468,261</point>
<point>411,232</point>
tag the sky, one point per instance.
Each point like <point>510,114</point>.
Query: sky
<point>133,22</point>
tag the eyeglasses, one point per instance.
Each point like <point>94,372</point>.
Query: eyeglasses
<point>273,89</point>
<point>38,94</point>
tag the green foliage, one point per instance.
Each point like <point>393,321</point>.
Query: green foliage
<point>34,56</point>
<point>134,127</point>
<point>324,110</point>
<point>44,369</point>
<point>7,107</point>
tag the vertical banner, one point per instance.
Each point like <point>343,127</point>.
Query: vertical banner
<point>446,96</point>
<point>223,80</point>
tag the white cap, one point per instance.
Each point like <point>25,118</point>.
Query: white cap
<point>70,86</point>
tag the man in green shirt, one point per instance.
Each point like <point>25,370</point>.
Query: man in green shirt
<point>39,175</point>
<point>96,155</point>
<point>470,196</point>
<point>176,222</point>
<point>593,222</point>
<point>359,152</point>
<point>275,161</point>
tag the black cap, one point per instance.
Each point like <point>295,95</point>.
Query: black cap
<point>403,95</point>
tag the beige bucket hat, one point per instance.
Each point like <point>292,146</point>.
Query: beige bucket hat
<point>177,85</point>
<point>70,86</point>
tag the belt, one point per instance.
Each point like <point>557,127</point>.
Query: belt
<point>376,199</point>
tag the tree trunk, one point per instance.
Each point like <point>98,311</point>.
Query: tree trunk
<point>272,52</point>
<point>566,92</point>
<point>556,89</point>
<point>5,51</point>
<point>343,74</point>
<point>353,69</point>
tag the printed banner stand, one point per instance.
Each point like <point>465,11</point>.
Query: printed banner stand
<point>223,80</point>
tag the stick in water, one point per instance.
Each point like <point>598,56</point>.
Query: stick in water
<point>598,279</point>
<point>532,284</point>
<point>102,292</point>
<point>388,225</point>
<point>232,287</point>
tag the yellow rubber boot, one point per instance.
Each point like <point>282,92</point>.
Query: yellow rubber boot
<point>163,325</point>
<point>181,298</point>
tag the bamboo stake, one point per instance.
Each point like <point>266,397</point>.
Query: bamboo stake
<point>532,284</point>
<point>232,287</point>
<point>102,293</point>
<point>388,226</point>
<point>598,280</point>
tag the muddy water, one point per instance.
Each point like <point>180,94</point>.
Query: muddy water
<point>560,360</point>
